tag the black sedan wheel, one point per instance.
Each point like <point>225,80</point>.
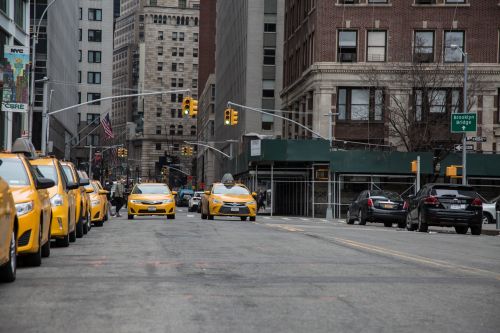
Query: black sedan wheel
<point>409,226</point>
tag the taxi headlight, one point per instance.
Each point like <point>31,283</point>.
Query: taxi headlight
<point>24,208</point>
<point>94,203</point>
<point>167,201</point>
<point>251,203</point>
<point>215,201</point>
<point>135,201</point>
<point>57,200</point>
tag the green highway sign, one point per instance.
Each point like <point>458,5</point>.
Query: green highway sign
<point>463,122</point>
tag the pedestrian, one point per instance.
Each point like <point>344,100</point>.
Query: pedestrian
<point>261,202</point>
<point>108,186</point>
<point>118,197</point>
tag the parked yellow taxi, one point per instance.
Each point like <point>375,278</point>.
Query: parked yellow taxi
<point>151,199</point>
<point>29,190</point>
<point>8,234</point>
<point>80,212</point>
<point>62,199</point>
<point>229,199</point>
<point>98,203</point>
<point>85,200</point>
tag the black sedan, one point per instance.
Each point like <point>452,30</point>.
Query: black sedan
<point>445,205</point>
<point>378,206</point>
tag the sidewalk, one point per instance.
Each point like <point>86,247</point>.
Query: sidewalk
<point>490,229</point>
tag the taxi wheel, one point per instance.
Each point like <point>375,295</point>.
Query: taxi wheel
<point>253,218</point>
<point>8,271</point>
<point>171,217</point>
<point>130,217</point>
<point>72,236</point>
<point>46,246</point>
<point>86,225</point>
<point>35,259</point>
<point>243,218</point>
<point>63,242</point>
<point>79,229</point>
<point>210,217</point>
<point>203,216</point>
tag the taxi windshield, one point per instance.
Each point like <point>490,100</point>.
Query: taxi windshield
<point>68,173</point>
<point>151,189</point>
<point>48,171</point>
<point>90,187</point>
<point>13,171</point>
<point>230,189</point>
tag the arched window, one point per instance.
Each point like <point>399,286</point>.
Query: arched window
<point>165,19</point>
<point>178,20</point>
<point>172,129</point>
<point>193,130</point>
<point>155,20</point>
<point>196,21</point>
<point>180,130</point>
<point>182,20</point>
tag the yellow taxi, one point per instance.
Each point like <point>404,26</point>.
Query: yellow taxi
<point>8,234</point>
<point>98,203</point>
<point>85,180</point>
<point>80,211</point>
<point>32,201</point>
<point>229,199</point>
<point>62,199</point>
<point>151,199</point>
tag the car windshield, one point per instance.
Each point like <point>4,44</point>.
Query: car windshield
<point>68,173</point>
<point>151,189</point>
<point>13,171</point>
<point>385,195</point>
<point>230,189</point>
<point>48,171</point>
<point>462,191</point>
<point>90,187</point>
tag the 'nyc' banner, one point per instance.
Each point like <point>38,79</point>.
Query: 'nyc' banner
<point>14,73</point>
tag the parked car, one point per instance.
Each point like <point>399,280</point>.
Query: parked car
<point>194,202</point>
<point>185,194</point>
<point>378,206</point>
<point>445,205</point>
<point>98,203</point>
<point>8,234</point>
<point>490,210</point>
<point>80,208</point>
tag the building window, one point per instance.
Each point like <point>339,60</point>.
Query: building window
<point>95,14</point>
<point>425,2</point>
<point>378,1</point>
<point>194,84</point>
<point>173,112</point>
<point>195,53</point>
<point>160,66</point>
<point>423,46</point>
<point>268,89</point>
<point>195,37</point>
<point>180,97</point>
<point>158,130</point>
<point>360,104</point>
<point>92,140</point>
<point>158,146</point>
<point>174,35</point>
<point>377,45</point>
<point>269,27</point>
<point>455,1</point>
<point>79,98</point>
<point>180,67</point>
<point>94,35</point>
<point>174,52</point>
<point>180,130</point>
<point>79,55</point>
<point>94,57</point>
<point>181,36</point>
<point>79,35</point>
<point>158,112</point>
<point>92,97</point>
<point>269,56</point>
<point>348,46</point>
<point>181,83</point>
<point>19,13</point>
<point>174,67</point>
<point>173,98</point>
<point>173,82</point>
<point>181,52</point>
<point>179,113</point>
<point>451,39</point>
<point>79,76</point>
<point>94,77</point>
<point>80,12</point>
<point>160,35</point>
<point>93,118</point>
<point>436,102</point>
<point>160,50</point>
<point>193,130</point>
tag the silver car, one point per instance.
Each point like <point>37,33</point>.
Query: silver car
<point>489,211</point>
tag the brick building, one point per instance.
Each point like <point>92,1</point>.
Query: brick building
<point>355,59</point>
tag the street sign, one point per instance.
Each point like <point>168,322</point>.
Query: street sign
<point>463,122</point>
<point>476,139</point>
<point>458,147</point>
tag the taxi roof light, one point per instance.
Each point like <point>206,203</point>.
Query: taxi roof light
<point>24,146</point>
<point>227,179</point>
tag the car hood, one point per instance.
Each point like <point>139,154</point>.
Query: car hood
<point>233,197</point>
<point>150,196</point>
<point>22,193</point>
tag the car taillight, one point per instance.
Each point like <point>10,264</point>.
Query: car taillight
<point>431,201</point>
<point>370,203</point>
<point>405,205</point>
<point>477,202</point>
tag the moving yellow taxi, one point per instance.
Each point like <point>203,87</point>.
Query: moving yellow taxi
<point>98,203</point>
<point>151,199</point>
<point>62,199</point>
<point>228,199</point>
<point>8,234</point>
<point>32,202</point>
<point>80,212</point>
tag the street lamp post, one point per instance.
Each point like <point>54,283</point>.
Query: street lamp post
<point>465,110</point>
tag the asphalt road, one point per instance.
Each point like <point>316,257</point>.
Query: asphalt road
<point>274,275</point>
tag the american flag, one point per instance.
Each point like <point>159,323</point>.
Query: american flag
<point>106,125</point>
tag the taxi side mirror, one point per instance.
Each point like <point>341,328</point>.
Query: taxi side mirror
<point>254,194</point>
<point>89,190</point>
<point>84,181</point>
<point>103,192</point>
<point>72,185</point>
<point>174,192</point>
<point>207,192</point>
<point>44,183</point>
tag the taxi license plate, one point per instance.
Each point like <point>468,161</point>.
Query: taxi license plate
<point>151,209</point>
<point>455,206</point>
<point>388,206</point>
<point>235,209</point>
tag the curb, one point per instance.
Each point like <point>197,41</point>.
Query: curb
<point>490,232</point>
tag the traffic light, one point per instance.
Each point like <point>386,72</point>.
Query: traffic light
<point>454,171</point>
<point>184,151</point>
<point>227,117</point>
<point>234,117</point>
<point>193,109</point>
<point>190,151</point>
<point>414,166</point>
<point>186,106</point>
